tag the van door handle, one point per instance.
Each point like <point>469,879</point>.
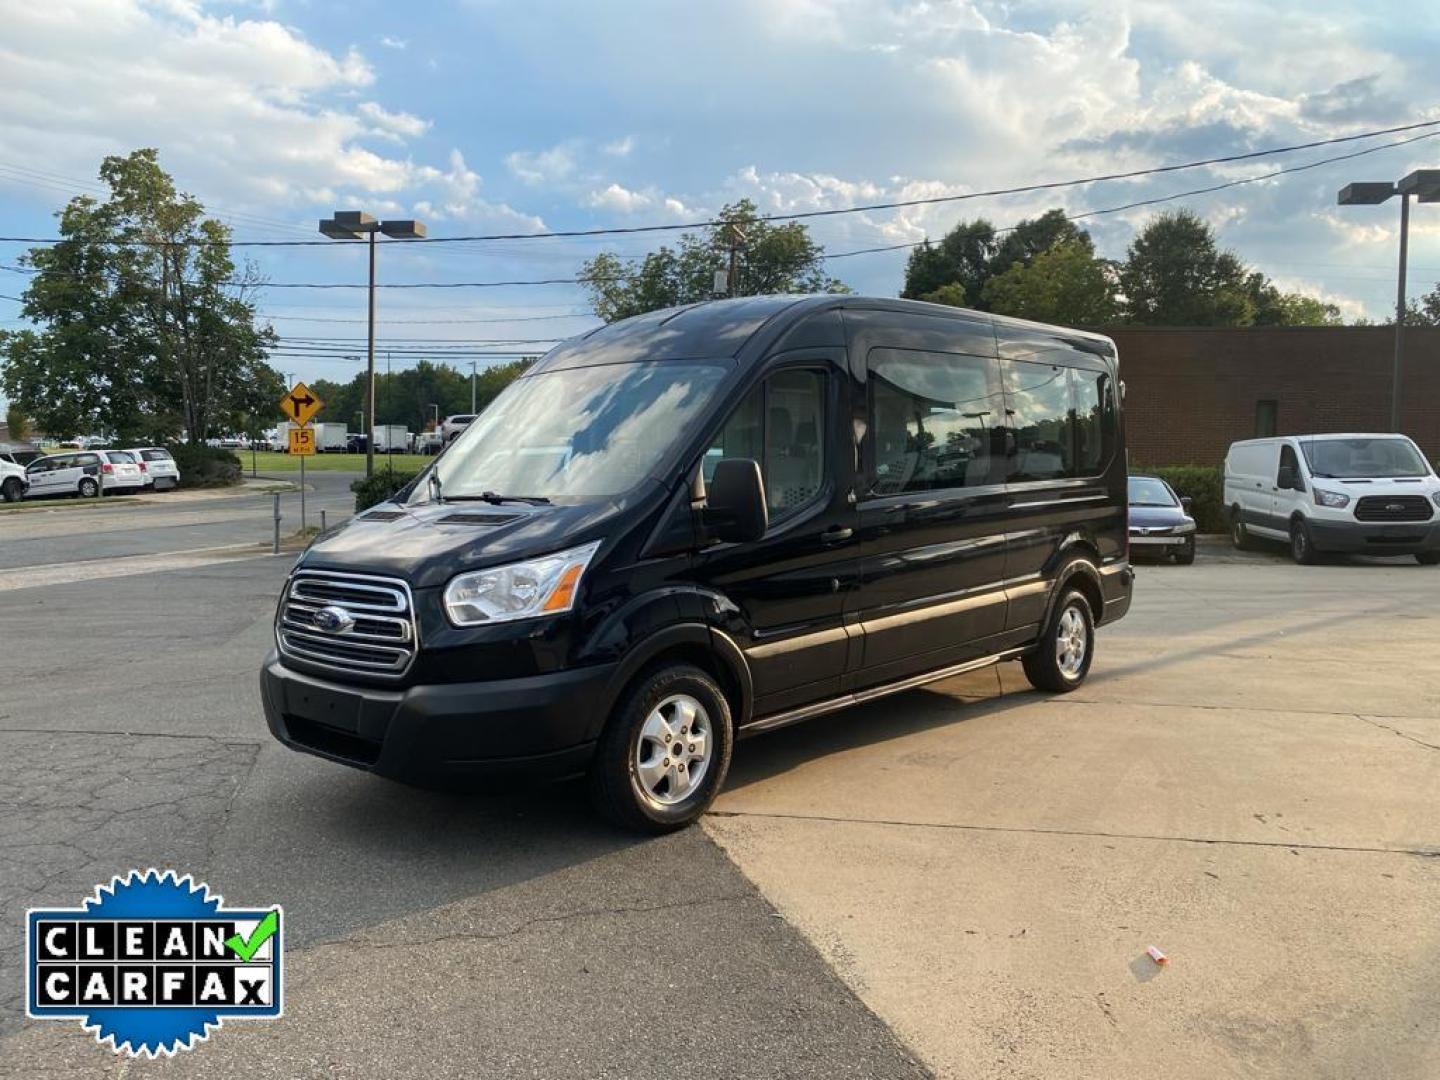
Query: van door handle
<point>836,534</point>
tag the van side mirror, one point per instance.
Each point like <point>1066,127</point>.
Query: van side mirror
<point>1186,502</point>
<point>735,509</point>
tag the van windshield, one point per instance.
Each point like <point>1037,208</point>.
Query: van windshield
<point>1347,459</point>
<point>578,434</point>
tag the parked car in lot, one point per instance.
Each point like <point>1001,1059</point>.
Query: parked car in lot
<point>161,472</point>
<point>1366,494</point>
<point>454,425</point>
<point>1160,524</point>
<point>429,442</point>
<point>84,472</point>
<point>710,521</point>
<point>13,480</point>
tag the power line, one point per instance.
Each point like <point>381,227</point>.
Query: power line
<point>1052,185</point>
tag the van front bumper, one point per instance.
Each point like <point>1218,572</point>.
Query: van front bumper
<point>543,726</point>
<point>1373,538</point>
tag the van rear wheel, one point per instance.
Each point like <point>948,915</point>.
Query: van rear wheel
<point>11,489</point>
<point>1239,535</point>
<point>665,752</point>
<point>1061,659</point>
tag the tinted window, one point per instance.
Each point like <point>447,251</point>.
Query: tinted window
<point>780,424</point>
<point>1062,420</point>
<point>120,457</point>
<point>1288,460</point>
<point>1039,396</point>
<point>85,459</point>
<point>156,455</point>
<point>1095,424</point>
<point>933,420</point>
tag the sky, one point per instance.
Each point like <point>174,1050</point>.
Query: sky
<point>481,116</point>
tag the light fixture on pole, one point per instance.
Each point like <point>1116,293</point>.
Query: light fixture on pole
<point>1424,184</point>
<point>358,225</point>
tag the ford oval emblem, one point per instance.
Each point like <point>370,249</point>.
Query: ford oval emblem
<point>1394,507</point>
<point>333,620</point>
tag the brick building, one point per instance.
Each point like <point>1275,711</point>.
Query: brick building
<point>1190,392</point>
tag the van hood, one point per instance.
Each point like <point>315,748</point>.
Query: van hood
<point>1379,485</point>
<point>429,543</point>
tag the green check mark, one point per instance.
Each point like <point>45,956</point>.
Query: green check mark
<point>246,948</point>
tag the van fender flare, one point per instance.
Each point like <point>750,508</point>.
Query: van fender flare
<point>679,637</point>
<point>1077,561</point>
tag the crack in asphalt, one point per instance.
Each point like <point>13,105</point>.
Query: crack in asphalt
<point>1073,700</point>
<point>1428,853</point>
<point>231,742</point>
<point>370,945</point>
<point>1396,731</point>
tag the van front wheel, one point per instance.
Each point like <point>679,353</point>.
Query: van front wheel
<point>665,752</point>
<point>1302,550</point>
<point>1061,659</point>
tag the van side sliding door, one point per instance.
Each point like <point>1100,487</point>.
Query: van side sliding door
<point>931,496</point>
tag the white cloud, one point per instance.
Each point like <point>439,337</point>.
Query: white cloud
<point>245,111</point>
<point>536,167</point>
<point>397,124</point>
<point>392,42</point>
<point>620,147</point>
<point>621,199</point>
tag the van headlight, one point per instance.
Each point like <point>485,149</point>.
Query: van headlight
<point>544,586</point>
<point>1435,495</point>
<point>1331,498</point>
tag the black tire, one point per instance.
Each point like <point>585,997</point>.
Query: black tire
<point>1302,549</point>
<point>89,487</point>
<point>1042,665</point>
<point>1186,555</point>
<point>11,490</point>
<point>616,787</point>
<point>1428,558</point>
<point>1239,534</point>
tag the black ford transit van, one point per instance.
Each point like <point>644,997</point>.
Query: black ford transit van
<point>710,521</point>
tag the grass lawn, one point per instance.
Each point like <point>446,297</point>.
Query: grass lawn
<point>268,461</point>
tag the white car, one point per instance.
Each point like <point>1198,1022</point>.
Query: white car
<point>454,425</point>
<point>161,472</point>
<point>84,472</point>
<point>1363,494</point>
<point>13,481</point>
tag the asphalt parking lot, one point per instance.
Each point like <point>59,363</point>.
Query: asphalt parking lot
<point>959,881</point>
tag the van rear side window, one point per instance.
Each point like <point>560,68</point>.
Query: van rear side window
<point>1062,419</point>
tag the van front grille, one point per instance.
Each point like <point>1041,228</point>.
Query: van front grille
<point>349,622</point>
<point>1393,508</point>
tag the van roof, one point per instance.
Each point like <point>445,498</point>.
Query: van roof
<point>723,328</point>
<point>1324,435</point>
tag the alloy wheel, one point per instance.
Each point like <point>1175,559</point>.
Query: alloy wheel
<point>672,754</point>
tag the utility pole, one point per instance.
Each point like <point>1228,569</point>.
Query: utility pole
<point>472,387</point>
<point>370,367</point>
<point>737,241</point>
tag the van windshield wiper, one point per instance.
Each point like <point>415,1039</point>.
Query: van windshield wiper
<point>497,499</point>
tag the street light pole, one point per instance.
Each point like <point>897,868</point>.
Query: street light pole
<point>1425,185</point>
<point>358,225</point>
<point>472,387</point>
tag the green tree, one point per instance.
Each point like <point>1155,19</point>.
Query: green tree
<point>1275,308</point>
<point>961,258</point>
<point>772,259</point>
<point>1065,284</point>
<point>17,423</point>
<point>1174,274</point>
<point>146,330</point>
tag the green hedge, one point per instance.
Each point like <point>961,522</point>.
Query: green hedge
<point>206,466</point>
<point>379,486</point>
<point>1204,486</point>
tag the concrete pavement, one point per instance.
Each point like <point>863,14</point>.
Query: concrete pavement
<point>1250,781</point>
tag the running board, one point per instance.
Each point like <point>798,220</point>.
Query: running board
<point>859,697</point>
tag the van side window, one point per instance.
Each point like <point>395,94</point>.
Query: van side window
<point>1094,420</point>
<point>1040,413</point>
<point>780,424</point>
<point>1287,457</point>
<point>934,418</point>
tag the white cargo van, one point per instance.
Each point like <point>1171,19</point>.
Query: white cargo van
<point>1351,493</point>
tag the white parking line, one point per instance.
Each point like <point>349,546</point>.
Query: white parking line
<point>30,577</point>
